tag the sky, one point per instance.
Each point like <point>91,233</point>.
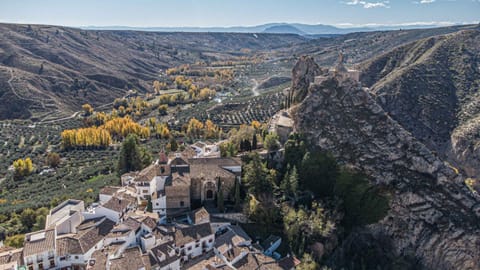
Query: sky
<point>208,13</point>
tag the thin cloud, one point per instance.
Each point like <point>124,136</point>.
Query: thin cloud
<point>365,4</point>
<point>427,1</point>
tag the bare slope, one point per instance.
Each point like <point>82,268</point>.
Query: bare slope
<point>432,88</point>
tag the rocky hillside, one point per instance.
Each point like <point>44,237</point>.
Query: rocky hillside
<point>434,219</point>
<point>432,88</point>
<point>46,68</point>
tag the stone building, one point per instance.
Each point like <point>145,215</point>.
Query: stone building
<point>176,183</point>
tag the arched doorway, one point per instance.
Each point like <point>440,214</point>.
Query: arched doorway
<point>209,189</point>
<point>209,194</point>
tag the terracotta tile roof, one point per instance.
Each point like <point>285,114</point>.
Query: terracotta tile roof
<point>39,242</point>
<point>147,174</point>
<point>133,223</point>
<point>11,255</point>
<point>131,259</point>
<point>109,190</point>
<point>149,222</point>
<point>117,204</point>
<point>191,234</point>
<point>201,215</point>
<point>89,236</point>
<point>68,245</point>
<point>211,167</point>
<point>162,254</point>
<point>119,230</point>
<point>98,261</point>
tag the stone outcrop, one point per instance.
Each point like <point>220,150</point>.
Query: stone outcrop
<point>433,216</point>
<point>304,73</point>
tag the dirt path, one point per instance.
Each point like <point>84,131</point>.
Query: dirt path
<point>255,88</point>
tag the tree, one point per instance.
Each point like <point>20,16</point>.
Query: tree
<point>163,109</point>
<point>307,263</point>
<point>293,180</point>
<point>130,156</point>
<point>87,109</point>
<point>173,145</point>
<point>256,176</point>
<point>254,141</point>
<point>15,241</point>
<point>318,173</point>
<point>238,200</point>
<point>28,218</point>
<point>53,159</point>
<point>271,142</point>
<point>149,205</point>
<point>220,198</point>
<point>23,167</point>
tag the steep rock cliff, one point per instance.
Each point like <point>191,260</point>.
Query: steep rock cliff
<point>434,217</point>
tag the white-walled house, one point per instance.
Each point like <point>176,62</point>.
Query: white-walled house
<point>39,250</point>
<point>114,209</point>
<point>194,240</point>
<point>166,257</point>
<point>66,216</point>
<point>74,251</point>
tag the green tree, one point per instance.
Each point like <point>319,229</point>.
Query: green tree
<point>271,142</point>
<point>220,202</point>
<point>149,205</point>
<point>307,263</point>
<point>238,200</point>
<point>28,218</point>
<point>130,155</point>
<point>318,173</point>
<point>293,180</point>
<point>256,176</point>
<point>15,241</point>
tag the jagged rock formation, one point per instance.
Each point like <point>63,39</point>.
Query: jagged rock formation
<point>304,73</point>
<point>431,87</point>
<point>434,217</point>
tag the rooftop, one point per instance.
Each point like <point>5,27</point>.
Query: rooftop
<point>131,259</point>
<point>39,242</point>
<point>191,234</point>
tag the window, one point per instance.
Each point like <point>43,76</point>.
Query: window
<point>156,204</point>
<point>197,245</point>
<point>182,203</point>
<point>52,263</point>
<point>76,257</point>
<point>145,191</point>
<point>189,248</point>
<point>30,267</point>
<point>40,266</point>
<point>210,240</point>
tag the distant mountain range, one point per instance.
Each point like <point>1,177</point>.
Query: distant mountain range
<point>279,28</point>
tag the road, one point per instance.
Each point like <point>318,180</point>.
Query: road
<point>255,88</point>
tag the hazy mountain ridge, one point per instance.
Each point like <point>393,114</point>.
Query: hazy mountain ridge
<point>290,28</point>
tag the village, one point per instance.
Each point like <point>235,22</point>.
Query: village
<point>177,231</point>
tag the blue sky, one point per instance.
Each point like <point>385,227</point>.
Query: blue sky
<point>143,13</point>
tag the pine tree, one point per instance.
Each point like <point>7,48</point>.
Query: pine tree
<point>254,141</point>
<point>220,197</point>
<point>130,156</point>
<point>293,180</point>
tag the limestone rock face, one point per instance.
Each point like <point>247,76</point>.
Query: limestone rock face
<point>304,73</point>
<point>434,217</point>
